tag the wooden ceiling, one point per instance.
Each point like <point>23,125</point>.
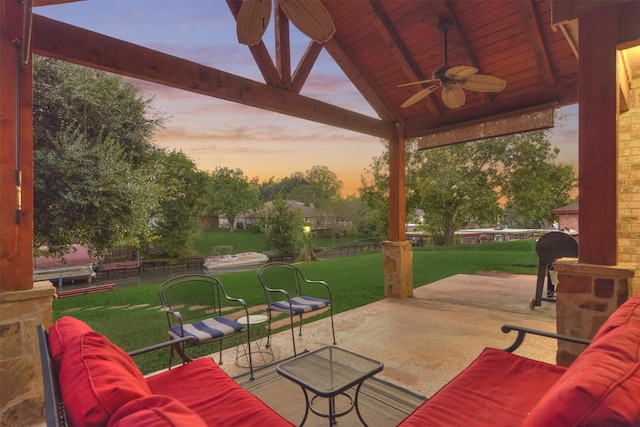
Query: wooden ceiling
<point>379,45</point>
<point>385,44</point>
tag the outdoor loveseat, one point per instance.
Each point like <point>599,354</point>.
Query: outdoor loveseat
<point>600,388</point>
<point>101,385</point>
<point>89,381</point>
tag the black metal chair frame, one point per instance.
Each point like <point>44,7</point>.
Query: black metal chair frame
<point>275,292</point>
<point>174,294</point>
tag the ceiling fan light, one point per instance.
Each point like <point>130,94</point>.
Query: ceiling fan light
<point>453,96</point>
<point>310,17</point>
<point>252,21</point>
<point>483,83</point>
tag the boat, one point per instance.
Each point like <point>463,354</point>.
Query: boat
<point>222,261</point>
<point>78,264</point>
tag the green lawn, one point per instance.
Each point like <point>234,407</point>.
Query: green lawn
<point>131,318</point>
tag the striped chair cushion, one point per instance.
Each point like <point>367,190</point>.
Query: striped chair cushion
<point>215,327</point>
<point>299,305</point>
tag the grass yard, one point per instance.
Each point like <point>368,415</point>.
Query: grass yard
<point>132,319</point>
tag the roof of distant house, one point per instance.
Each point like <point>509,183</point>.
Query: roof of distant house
<point>571,209</point>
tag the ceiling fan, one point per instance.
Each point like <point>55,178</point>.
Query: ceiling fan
<point>309,16</point>
<point>454,79</point>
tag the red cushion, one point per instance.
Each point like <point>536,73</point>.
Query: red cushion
<point>602,386</point>
<point>497,389</point>
<point>97,378</point>
<point>155,411</point>
<point>61,332</point>
<point>217,399</point>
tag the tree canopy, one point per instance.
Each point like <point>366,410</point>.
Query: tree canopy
<point>93,180</point>
<point>230,194</point>
<point>469,184</point>
<point>318,186</point>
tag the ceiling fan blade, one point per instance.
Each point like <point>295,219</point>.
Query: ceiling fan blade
<point>460,72</point>
<point>483,83</point>
<point>419,82</point>
<point>310,17</point>
<point>419,96</point>
<point>253,19</point>
<point>453,96</point>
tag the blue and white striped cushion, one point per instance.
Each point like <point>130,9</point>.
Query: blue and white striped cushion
<point>300,305</point>
<point>208,329</point>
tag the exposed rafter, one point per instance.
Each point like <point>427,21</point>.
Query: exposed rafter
<point>360,78</point>
<point>77,45</point>
<point>534,30</point>
<point>399,50</point>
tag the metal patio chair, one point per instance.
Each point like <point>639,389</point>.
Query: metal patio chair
<point>288,291</point>
<point>197,306</point>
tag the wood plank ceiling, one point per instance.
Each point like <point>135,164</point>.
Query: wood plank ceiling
<point>379,45</point>
<point>390,43</point>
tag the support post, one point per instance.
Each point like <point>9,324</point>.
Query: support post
<point>398,268</point>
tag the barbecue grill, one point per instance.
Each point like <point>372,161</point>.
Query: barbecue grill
<point>550,247</point>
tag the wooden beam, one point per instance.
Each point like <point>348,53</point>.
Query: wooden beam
<point>532,23</point>
<point>624,82</point>
<point>360,79</point>
<point>397,182</point>
<point>400,52</point>
<point>283,47</point>
<point>305,65</point>
<point>80,46</point>
<point>564,93</point>
<point>568,10</point>
<point>259,52</point>
<point>16,154</point>
<point>597,84</point>
<point>628,28</point>
<point>490,127</point>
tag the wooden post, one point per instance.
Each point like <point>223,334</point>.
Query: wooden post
<point>16,151</point>
<point>398,268</point>
<point>397,181</point>
<point>598,91</point>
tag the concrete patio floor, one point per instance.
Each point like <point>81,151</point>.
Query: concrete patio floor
<point>426,340</point>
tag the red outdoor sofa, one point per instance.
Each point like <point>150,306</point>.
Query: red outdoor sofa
<point>101,385</point>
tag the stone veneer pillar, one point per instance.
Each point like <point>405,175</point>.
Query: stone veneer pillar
<point>398,269</point>
<point>21,388</point>
<point>586,295</point>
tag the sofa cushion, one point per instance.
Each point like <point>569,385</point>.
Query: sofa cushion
<point>218,399</point>
<point>97,378</point>
<point>61,332</point>
<point>155,411</point>
<point>498,388</point>
<point>601,387</point>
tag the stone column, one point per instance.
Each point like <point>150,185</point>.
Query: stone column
<point>586,295</point>
<point>398,269</point>
<point>21,387</point>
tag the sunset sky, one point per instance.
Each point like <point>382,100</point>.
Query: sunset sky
<point>214,132</point>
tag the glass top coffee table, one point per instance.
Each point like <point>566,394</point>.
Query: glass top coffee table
<point>328,372</point>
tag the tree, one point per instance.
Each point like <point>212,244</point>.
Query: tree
<point>343,216</point>
<point>270,188</point>
<point>455,187</point>
<point>231,193</point>
<point>317,186</point>
<point>282,227</point>
<point>462,184</point>
<point>93,177</point>
<point>81,197</point>
<point>177,221</point>
<point>535,185</point>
